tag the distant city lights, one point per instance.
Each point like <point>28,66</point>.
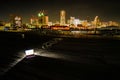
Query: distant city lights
<point>41,20</point>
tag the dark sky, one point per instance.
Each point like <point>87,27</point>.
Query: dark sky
<point>83,9</point>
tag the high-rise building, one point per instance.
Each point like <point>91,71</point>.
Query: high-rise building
<point>34,20</point>
<point>17,21</point>
<point>62,17</point>
<point>46,20</point>
<point>72,20</point>
<point>96,21</point>
<point>43,19</point>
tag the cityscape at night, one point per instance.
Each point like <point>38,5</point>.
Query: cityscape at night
<point>59,40</point>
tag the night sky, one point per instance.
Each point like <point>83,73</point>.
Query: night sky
<point>83,9</point>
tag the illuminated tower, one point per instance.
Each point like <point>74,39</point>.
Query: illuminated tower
<point>46,20</point>
<point>62,17</point>
<point>41,18</point>
<point>72,20</point>
<point>17,21</point>
<point>96,21</point>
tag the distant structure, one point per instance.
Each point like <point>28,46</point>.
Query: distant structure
<point>34,21</point>
<point>76,22</point>
<point>96,21</point>
<point>46,20</point>
<point>43,19</point>
<point>62,17</point>
<point>17,22</point>
<point>72,20</point>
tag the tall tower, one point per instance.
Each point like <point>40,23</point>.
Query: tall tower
<point>41,18</point>
<point>46,20</point>
<point>96,21</point>
<point>17,21</point>
<point>62,17</point>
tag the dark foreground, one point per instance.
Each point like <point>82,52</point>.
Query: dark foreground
<point>41,68</point>
<point>82,58</point>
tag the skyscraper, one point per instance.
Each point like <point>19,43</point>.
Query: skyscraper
<point>46,20</point>
<point>17,21</point>
<point>41,18</point>
<point>62,17</point>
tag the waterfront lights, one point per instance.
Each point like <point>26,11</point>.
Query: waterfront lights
<point>29,52</point>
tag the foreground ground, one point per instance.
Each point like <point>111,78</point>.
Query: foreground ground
<point>81,58</point>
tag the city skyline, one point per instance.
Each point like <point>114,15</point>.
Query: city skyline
<point>82,9</point>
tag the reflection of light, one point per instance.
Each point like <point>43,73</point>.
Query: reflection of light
<point>29,52</point>
<point>50,43</point>
<point>45,53</point>
<point>19,57</point>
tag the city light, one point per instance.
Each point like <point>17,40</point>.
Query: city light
<point>41,21</point>
<point>40,14</point>
<point>29,52</point>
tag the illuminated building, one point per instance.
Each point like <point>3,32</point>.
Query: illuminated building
<point>84,23</point>
<point>72,20</point>
<point>62,17</point>
<point>8,24</point>
<point>34,21</point>
<point>41,18</point>
<point>46,20</point>
<point>76,22</point>
<point>111,23</point>
<point>17,22</point>
<point>59,27</point>
<point>96,21</point>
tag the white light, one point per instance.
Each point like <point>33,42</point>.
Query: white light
<point>29,52</point>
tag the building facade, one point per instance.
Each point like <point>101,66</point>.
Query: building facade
<point>62,17</point>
